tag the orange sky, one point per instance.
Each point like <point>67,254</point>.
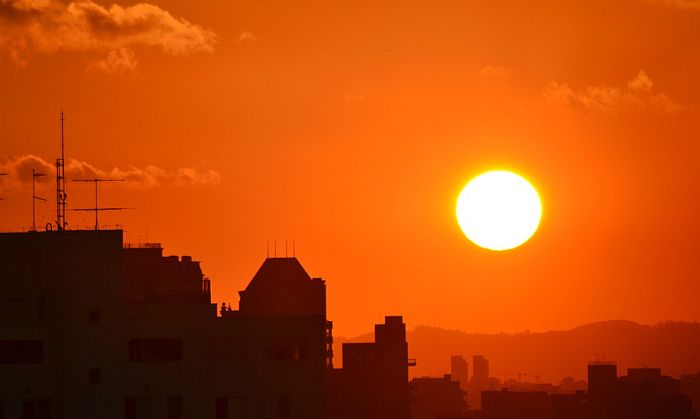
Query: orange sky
<point>351,126</point>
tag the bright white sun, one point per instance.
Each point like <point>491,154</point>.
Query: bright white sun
<point>499,210</point>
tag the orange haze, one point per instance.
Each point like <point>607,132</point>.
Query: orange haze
<point>349,127</point>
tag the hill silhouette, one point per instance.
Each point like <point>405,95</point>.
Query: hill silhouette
<point>553,355</point>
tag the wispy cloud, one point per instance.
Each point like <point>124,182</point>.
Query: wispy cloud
<point>638,94</point>
<point>245,37</point>
<point>49,26</point>
<point>19,171</point>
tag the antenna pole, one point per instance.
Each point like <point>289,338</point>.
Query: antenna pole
<point>96,209</point>
<point>61,195</point>
<point>35,180</point>
<point>33,200</point>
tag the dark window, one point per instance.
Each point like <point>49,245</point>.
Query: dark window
<point>94,316</point>
<point>2,409</point>
<point>155,350</point>
<point>138,407</point>
<point>94,377</point>
<point>21,351</point>
<point>36,409</point>
<point>41,307</point>
<point>278,348</point>
<point>175,407</point>
<point>130,408</point>
<point>226,349</point>
<point>221,407</point>
<point>276,407</point>
<point>229,408</point>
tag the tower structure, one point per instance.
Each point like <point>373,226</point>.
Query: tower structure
<point>61,195</point>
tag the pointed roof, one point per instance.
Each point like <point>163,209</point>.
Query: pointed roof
<point>276,272</point>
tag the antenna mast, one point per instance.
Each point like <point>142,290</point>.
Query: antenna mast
<point>35,180</point>
<point>61,195</point>
<point>97,208</point>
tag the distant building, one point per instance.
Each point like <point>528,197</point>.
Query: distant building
<point>602,380</point>
<point>479,381</point>
<point>459,370</point>
<point>506,404</point>
<point>90,329</point>
<point>373,382</point>
<point>690,387</point>
<point>437,398</point>
<point>481,369</point>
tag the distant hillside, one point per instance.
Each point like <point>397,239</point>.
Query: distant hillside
<point>673,346</point>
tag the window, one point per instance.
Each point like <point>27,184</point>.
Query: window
<point>21,351</point>
<point>138,408</point>
<point>155,350</point>
<point>36,409</point>
<point>94,377</point>
<point>226,349</point>
<point>279,348</point>
<point>276,407</point>
<point>2,409</point>
<point>174,407</point>
<point>130,408</point>
<point>229,407</point>
<point>94,317</point>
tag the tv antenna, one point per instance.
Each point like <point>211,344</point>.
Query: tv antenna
<point>61,195</point>
<point>35,180</point>
<point>97,208</point>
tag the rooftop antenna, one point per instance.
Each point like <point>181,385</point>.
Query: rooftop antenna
<point>97,208</point>
<point>35,180</point>
<point>285,249</point>
<point>61,195</point>
<point>294,248</point>
<point>268,249</point>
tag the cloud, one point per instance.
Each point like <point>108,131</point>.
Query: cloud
<point>49,26</point>
<point>19,171</point>
<point>494,72</point>
<point>245,37</point>
<point>637,95</point>
<point>121,60</point>
<point>679,4</point>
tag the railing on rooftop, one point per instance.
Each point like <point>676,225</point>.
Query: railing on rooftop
<point>142,246</point>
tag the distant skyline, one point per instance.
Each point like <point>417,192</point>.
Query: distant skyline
<point>350,128</point>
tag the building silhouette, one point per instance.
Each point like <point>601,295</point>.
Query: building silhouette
<point>459,371</point>
<point>437,398</point>
<point>94,329</point>
<point>373,382</point>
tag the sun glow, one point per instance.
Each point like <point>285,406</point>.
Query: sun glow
<point>499,210</point>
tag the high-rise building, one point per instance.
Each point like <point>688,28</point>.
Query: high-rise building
<point>459,370</point>
<point>373,382</point>
<point>92,328</point>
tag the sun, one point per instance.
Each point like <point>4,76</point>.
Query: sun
<point>499,210</point>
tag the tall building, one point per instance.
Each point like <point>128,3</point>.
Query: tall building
<point>481,369</point>
<point>459,370</point>
<point>90,328</point>
<point>373,382</point>
<point>437,398</point>
<point>479,381</point>
<point>602,380</point>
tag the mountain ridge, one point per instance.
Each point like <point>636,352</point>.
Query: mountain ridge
<point>552,355</point>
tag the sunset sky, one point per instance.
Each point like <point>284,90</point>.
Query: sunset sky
<point>350,127</point>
